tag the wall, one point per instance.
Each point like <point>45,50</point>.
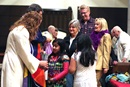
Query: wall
<point>64,4</point>
<point>128,23</point>
<point>61,4</point>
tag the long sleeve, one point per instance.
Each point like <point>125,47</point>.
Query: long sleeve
<point>64,72</point>
<point>106,50</point>
<point>113,56</point>
<point>125,43</point>
<point>23,50</point>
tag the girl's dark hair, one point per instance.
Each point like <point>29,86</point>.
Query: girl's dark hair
<point>34,7</point>
<point>84,45</point>
<point>61,43</point>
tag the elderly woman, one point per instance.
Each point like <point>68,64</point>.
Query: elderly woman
<point>102,44</point>
<point>70,41</point>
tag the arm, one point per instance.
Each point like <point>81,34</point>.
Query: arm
<point>22,44</point>
<point>106,51</point>
<point>72,67</point>
<point>64,72</point>
<point>126,48</point>
<point>114,57</point>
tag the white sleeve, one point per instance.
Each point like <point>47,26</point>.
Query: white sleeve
<point>74,56</point>
<point>125,43</point>
<point>23,50</point>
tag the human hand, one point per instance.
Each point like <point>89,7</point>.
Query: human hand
<point>52,79</point>
<point>105,70</point>
<point>124,59</point>
<point>48,40</point>
<point>115,62</point>
<point>42,51</point>
<point>43,64</point>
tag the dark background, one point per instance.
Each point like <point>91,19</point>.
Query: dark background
<point>114,16</point>
<point>59,18</point>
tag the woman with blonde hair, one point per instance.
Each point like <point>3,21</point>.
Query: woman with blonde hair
<point>102,44</point>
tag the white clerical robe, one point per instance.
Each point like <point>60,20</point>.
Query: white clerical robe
<point>17,56</point>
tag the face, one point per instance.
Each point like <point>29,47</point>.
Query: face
<point>116,33</point>
<point>73,30</point>
<point>97,27</point>
<point>40,12</point>
<point>85,14</point>
<point>56,48</point>
<point>55,34</point>
<point>51,30</point>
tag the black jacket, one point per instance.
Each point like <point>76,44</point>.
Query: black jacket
<point>73,47</point>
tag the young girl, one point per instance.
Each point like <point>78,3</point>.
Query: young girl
<point>83,63</point>
<point>58,65</point>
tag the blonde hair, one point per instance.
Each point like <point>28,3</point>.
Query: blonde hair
<point>84,7</point>
<point>102,22</point>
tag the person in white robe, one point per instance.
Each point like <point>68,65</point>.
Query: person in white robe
<point>18,55</point>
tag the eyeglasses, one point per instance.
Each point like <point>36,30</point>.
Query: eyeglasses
<point>83,13</point>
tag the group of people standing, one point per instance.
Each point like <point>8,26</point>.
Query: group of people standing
<point>78,60</point>
<point>99,43</point>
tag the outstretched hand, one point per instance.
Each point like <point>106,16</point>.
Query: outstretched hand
<point>43,64</point>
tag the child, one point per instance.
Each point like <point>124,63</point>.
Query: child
<point>58,65</point>
<point>83,63</point>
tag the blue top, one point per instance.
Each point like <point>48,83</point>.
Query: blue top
<point>39,39</point>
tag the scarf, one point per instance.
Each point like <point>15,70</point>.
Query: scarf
<point>96,37</point>
<point>38,78</point>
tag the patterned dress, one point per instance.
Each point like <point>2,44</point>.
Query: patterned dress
<point>58,69</point>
